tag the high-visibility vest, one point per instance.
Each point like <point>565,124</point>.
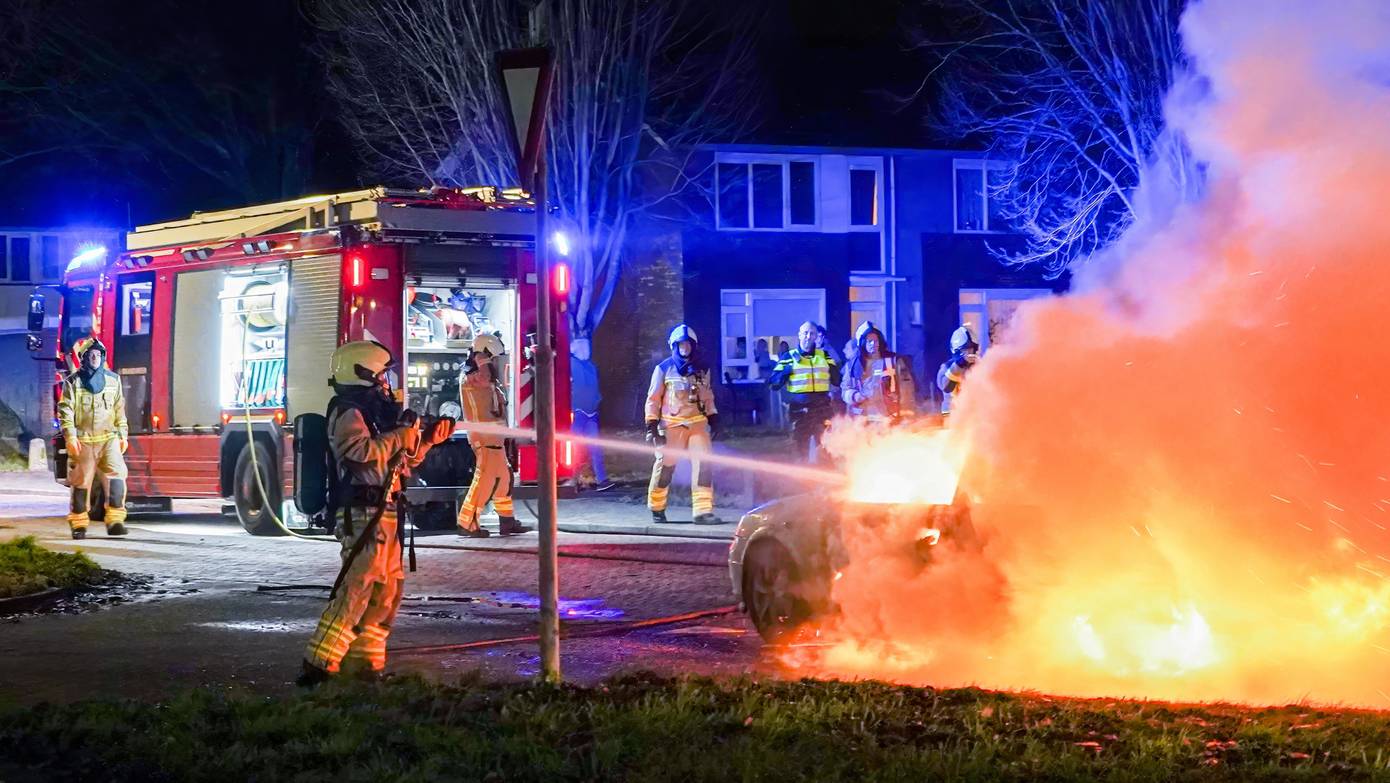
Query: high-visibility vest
<point>809,373</point>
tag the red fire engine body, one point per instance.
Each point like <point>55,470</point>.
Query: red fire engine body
<point>221,327</point>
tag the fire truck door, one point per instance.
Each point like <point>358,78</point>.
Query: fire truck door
<point>131,357</point>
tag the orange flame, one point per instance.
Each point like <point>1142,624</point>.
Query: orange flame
<point>1179,472</point>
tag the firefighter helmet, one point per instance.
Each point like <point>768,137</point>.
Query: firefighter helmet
<point>359,363</point>
<point>486,341</point>
<point>863,331</point>
<point>88,344</point>
<point>682,332</point>
<point>962,339</point>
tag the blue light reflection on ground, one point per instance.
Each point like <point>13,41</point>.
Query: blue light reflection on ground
<point>570,608</point>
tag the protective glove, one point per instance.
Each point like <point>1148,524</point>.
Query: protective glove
<point>440,432</point>
<point>712,421</point>
<point>74,448</point>
<point>654,436</point>
<point>410,437</point>
<point>125,444</point>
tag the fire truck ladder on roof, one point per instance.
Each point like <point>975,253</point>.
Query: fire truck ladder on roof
<point>401,213</point>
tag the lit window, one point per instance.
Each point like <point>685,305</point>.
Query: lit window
<point>136,305</point>
<point>757,325</point>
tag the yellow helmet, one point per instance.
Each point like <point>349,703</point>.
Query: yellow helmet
<point>86,344</point>
<point>359,363</point>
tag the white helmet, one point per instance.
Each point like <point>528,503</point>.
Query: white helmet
<point>488,342</point>
<point>962,338</point>
<point>359,363</point>
<point>682,332</point>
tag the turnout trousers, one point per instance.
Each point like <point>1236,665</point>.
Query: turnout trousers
<point>353,629</point>
<point>101,461</point>
<point>492,481</point>
<point>693,437</point>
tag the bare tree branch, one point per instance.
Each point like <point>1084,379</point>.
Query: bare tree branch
<point>1068,98</point>
<point>637,83</point>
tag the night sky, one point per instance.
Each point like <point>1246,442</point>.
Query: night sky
<point>830,73</point>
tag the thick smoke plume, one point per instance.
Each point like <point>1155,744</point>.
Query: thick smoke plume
<point>1182,469</point>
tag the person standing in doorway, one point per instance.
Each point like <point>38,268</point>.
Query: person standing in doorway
<point>584,401</point>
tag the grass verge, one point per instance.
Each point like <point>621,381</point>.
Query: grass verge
<point>641,728</point>
<point>26,567</point>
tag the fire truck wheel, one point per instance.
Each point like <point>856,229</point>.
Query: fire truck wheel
<point>256,513</point>
<point>770,591</point>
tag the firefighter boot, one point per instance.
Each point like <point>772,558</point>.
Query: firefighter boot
<point>708,519</point>
<point>312,676</point>
<point>659,517</point>
<point>508,526</point>
<point>79,533</point>
<point>116,529</point>
<point>474,532</point>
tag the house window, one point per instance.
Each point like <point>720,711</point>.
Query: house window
<point>19,259</point>
<point>977,184</point>
<point>988,312</point>
<point>863,197</point>
<point>755,323</point>
<point>52,268</point>
<point>765,194</point>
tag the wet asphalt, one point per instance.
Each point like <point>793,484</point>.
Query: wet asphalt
<point>215,608</point>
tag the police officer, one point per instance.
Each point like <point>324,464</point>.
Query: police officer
<point>484,402</point>
<point>91,412</point>
<point>878,383</point>
<point>949,377</point>
<point>372,439</point>
<point>810,377</point>
<point>680,412</point>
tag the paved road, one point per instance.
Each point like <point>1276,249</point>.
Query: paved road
<point>209,619</point>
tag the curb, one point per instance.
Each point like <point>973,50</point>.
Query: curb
<point>24,603</point>
<point>705,532</point>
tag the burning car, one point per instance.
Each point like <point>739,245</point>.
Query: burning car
<point>787,554</point>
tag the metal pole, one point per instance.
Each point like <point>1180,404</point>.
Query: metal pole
<point>545,439</point>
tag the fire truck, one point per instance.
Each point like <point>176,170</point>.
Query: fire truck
<point>221,326</point>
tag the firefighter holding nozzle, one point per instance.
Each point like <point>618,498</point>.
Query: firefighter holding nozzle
<point>484,402</point>
<point>680,412</point>
<point>91,412</point>
<point>949,377</point>
<point>878,384</point>
<point>372,439</point>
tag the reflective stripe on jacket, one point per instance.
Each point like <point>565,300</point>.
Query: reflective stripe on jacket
<point>484,403</point>
<point>365,458</point>
<point>677,399</point>
<point>875,397</point>
<point>92,418</point>
<point>805,374</point>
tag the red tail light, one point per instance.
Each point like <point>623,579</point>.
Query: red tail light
<point>357,271</point>
<point>562,280</point>
<point>569,454</point>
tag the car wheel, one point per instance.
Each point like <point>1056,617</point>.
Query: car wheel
<point>769,591</point>
<point>253,510</point>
